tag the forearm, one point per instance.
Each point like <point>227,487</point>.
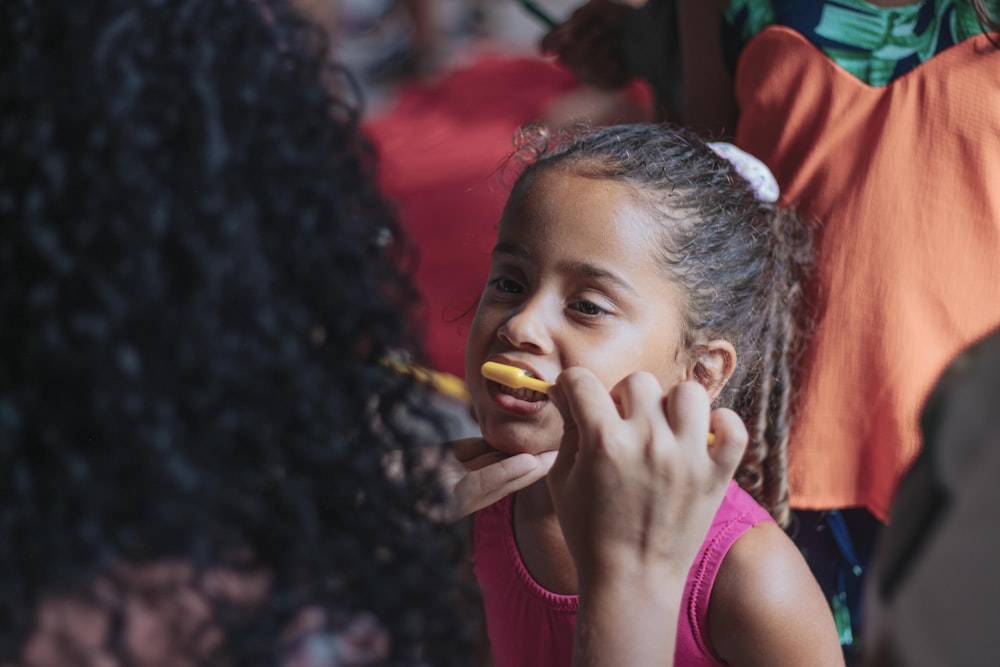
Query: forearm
<point>707,86</point>
<point>631,621</point>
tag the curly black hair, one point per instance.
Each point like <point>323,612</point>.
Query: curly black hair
<point>198,280</point>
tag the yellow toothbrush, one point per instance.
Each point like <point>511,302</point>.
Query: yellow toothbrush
<point>517,378</point>
<point>513,377</point>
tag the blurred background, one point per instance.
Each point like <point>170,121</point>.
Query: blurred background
<point>445,85</point>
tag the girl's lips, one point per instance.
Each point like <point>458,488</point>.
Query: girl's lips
<point>517,401</point>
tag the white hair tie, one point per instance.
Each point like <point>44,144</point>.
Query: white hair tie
<point>764,185</point>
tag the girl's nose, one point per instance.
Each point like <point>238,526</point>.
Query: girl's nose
<point>526,329</point>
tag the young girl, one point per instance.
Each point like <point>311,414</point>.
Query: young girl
<point>639,248</point>
<point>193,405</point>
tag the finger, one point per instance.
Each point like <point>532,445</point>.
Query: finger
<point>485,486</point>
<point>639,394</point>
<point>731,440</point>
<point>579,395</point>
<point>585,402</point>
<point>483,460</point>
<point>639,398</point>
<point>688,412</point>
<point>468,449</point>
<point>569,444</point>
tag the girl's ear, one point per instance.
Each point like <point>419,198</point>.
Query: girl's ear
<point>712,364</point>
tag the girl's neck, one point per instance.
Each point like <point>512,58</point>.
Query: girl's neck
<point>540,541</point>
<point>536,499</point>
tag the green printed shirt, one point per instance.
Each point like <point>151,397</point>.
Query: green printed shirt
<point>873,43</point>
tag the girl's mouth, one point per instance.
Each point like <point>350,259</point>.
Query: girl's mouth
<point>522,394</point>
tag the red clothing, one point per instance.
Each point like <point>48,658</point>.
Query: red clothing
<point>530,626</point>
<point>903,181</point>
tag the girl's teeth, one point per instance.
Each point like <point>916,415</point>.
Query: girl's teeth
<point>523,394</point>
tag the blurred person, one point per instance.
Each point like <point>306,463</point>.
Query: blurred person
<point>608,43</point>
<point>198,283</point>
<point>934,591</point>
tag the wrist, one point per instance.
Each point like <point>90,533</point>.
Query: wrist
<point>628,618</point>
<point>658,559</point>
<point>632,578</point>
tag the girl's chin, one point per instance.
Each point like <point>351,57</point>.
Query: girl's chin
<point>510,444</point>
<point>518,450</point>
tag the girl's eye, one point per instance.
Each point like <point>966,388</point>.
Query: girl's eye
<point>507,285</point>
<point>588,308</point>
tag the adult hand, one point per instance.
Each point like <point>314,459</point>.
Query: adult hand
<point>636,483</point>
<point>588,43</point>
<point>635,486</point>
<point>490,475</point>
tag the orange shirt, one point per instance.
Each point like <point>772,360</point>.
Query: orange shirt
<point>904,183</point>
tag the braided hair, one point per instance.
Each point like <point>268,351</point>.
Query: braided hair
<point>198,280</point>
<point>740,263</point>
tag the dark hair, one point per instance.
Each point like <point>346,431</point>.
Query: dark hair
<point>741,263</point>
<point>986,12</point>
<point>198,280</point>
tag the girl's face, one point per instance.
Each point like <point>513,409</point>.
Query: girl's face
<point>573,282</point>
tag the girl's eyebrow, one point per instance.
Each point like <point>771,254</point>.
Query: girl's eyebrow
<point>583,268</point>
<point>515,249</point>
<point>594,271</point>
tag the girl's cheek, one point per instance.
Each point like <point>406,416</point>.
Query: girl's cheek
<point>487,320</point>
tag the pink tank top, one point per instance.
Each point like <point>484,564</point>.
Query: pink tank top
<point>530,626</point>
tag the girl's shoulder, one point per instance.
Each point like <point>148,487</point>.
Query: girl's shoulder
<point>766,606</point>
<point>737,514</point>
<point>738,503</point>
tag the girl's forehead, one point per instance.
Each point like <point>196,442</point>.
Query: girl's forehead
<point>564,202</point>
<point>578,225</point>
